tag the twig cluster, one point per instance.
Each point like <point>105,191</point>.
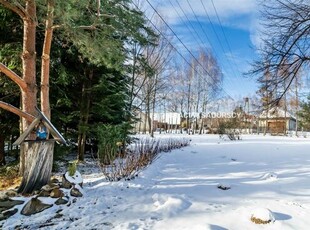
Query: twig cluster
<point>138,156</point>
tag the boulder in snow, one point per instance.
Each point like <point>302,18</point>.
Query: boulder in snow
<point>34,206</point>
<point>223,186</point>
<point>8,213</point>
<point>56,193</point>
<point>8,203</point>
<point>69,181</point>
<point>76,192</point>
<point>49,187</point>
<point>62,201</point>
<point>44,193</point>
<point>262,216</point>
<point>11,193</point>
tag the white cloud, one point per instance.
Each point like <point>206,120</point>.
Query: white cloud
<point>240,14</point>
<point>234,15</point>
<point>225,8</point>
<point>255,34</point>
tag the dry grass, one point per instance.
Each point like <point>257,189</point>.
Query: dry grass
<point>9,177</point>
<point>9,183</point>
<point>259,221</point>
<point>139,156</point>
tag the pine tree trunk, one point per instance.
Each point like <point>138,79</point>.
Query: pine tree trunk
<point>29,94</point>
<point>38,165</point>
<point>2,152</point>
<point>84,117</point>
<point>45,65</point>
<point>81,145</point>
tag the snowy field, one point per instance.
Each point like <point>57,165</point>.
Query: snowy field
<point>180,190</point>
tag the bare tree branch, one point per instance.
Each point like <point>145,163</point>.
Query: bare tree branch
<point>16,111</point>
<point>15,7</point>
<point>286,47</point>
<point>13,76</point>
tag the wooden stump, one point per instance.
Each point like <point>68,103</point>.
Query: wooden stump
<point>38,165</point>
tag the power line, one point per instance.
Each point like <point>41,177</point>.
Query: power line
<point>219,40</point>
<point>218,18</point>
<point>197,61</point>
<point>188,27</point>
<point>201,41</point>
<point>225,37</point>
<point>193,28</point>
<point>206,35</point>
<point>229,81</point>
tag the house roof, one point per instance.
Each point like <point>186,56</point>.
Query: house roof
<point>276,113</point>
<point>51,128</point>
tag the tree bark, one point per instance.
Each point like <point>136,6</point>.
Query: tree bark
<point>16,111</point>
<point>38,167</point>
<point>84,117</point>
<point>45,66</point>
<point>29,94</point>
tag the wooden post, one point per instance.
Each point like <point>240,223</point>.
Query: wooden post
<point>39,155</point>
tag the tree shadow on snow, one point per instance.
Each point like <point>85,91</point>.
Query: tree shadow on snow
<point>281,216</point>
<point>216,227</point>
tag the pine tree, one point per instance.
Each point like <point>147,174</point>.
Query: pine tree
<point>304,114</point>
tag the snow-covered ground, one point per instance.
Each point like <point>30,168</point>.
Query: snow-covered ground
<point>180,190</point>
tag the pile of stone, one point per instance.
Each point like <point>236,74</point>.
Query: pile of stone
<point>63,192</point>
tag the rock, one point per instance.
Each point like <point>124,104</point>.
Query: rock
<point>65,183</point>
<point>56,193</point>
<point>223,187</point>
<point>11,193</point>
<point>58,215</point>
<point>34,206</point>
<point>76,179</point>
<point>76,192</point>
<point>55,181</point>
<point>49,187</point>
<point>7,214</point>
<point>9,203</point>
<point>61,201</point>
<point>35,193</point>
<point>44,193</point>
<point>262,216</point>
<point>70,181</point>
<point>59,210</point>
<point>3,196</point>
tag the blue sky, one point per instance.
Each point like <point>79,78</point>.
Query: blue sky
<point>232,41</point>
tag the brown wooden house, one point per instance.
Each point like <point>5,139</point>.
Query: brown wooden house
<point>276,121</point>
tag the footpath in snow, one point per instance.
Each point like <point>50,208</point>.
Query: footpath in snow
<point>212,184</point>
